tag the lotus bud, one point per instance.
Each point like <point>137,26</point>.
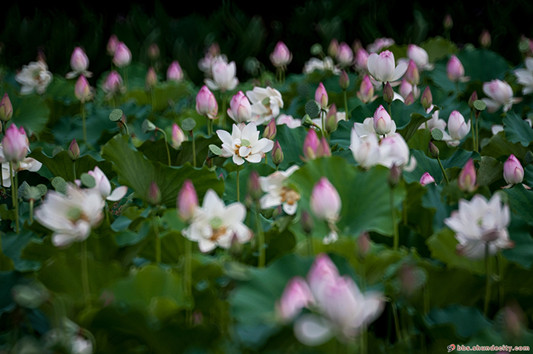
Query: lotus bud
<point>331,119</point>
<point>151,78</point>
<point>433,149</point>
<point>82,89</point>
<point>321,96</point>
<point>382,121</point>
<point>174,71</point>
<point>344,55</point>
<point>307,222</point>
<point>361,58</point>
<point>325,201</point>
<point>79,62</point>
<point>410,99</point>
<point>322,272</point>
<point>240,109</point>
<point>454,69</point>
<point>467,177</point>
<point>447,22</point>
<point>411,75</point>
<point>122,56</point>
<point>388,93</point>
<point>514,320</point>
<point>484,39</point>
<point>344,80</point>
<point>323,148</point>
<point>427,99</point>
<point>295,297</point>
<point>154,194</point>
<point>472,99</point>
<point>153,51</point>
<point>363,244</point>
<point>426,179</point>
<point>513,172</point>
<point>112,83</point>
<point>366,90</point>
<point>457,127</point>
<point>395,175</point>
<point>6,108</point>
<point>281,56</point>
<point>333,48</point>
<point>311,144</point>
<point>277,154</point>
<point>74,150</point>
<point>15,144</point>
<point>112,44</point>
<point>418,55</point>
<point>187,201</point>
<point>178,136</point>
<point>206,103</point>
<point>270,130</point>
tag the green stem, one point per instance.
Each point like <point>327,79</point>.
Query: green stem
<point>85,272</point>
<point>396,239</point>
<point>157,241</point>
<point>187,277</point>
<point>487,283</point>
<point>193,149</point>
<point>209,127</point>
<point>31,211</point>
<point>501,290</point>
<point>261,240</point>
<point>238,186</point>
<point>309,240</point>
<point>364,339</point>
<point>223,113</point>
<point>443,171</point>
<point>346,105</point>
<point>426,300</point>
<point>396,322</point>
<point>84,125</point>
<point>477,132</point>
<point>14,196</point>
<point>472,119</point>
<point>166,145</point>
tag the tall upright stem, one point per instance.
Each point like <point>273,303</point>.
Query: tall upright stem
<point>487,275</point>
<point>85,273</point>
<point>84,125</point>
<point>443,171</point>
<point>14,195</point>
<point>261,240</point>
<point>238,187</point>
<point>157,240</point>
<point>396,236</point>
<point>193,150</point>
<point>346,105</point>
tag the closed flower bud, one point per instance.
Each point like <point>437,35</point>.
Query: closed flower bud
<point>333,48</point>
<point>325,201</point>
<point>363,244</point>
<point>187,201</point>
<point>484,39</point>
<point>426,179</point>
<point>254,187</point>
<point>6,108</point>
<point>74,150</point>
<point>331,119</point>
<point>321,96</point>
<point>411,75</point>
<point>240,109</point>
<point>467,177</point>
<point>112,83</point>
<point>454,69</point>
<point>311,143</point>
<point>15,144</point>
<point>433,149</point>
<point>344,80</point>
<point>410,99</point>
<point>82,89</point>
<point>79,62</point>
<point>513,172</point>
<point>112,44</point>
<point>122,55</point>
<point>447,22</point>
<point>361,59</point>
<point>344,55</point>
<point>174,71</point>
<point>151,78</point>
<point>281,56</point>
<point>323,148</point>
<point>427,99</point>
<point>154,194</point>
<point>153,51</point>
<point>206,103</point>
<point>270,130</point>
<point>457,127</point>
<point>366,90</point>
<point>472,99</point>
<point>388,93</point>
<point>395,175</point>
<point>383,123</point>
<point>178,137</point>
<point>277,153</point>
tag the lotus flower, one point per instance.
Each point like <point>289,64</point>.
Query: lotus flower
<point>224,78</point>
<point>383,69</point>
<point>266,104</point>
<point>278,192</point>
<point>244,144</point>
<point>34,77</point>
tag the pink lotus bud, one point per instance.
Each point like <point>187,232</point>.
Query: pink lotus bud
<point>418,55</point>
<point>277,153</point>
<point>153,51</point>
<point>454,69</point>
<point>323,148</point>
<point>472,99</point>
<point>270,130</point>
<point>112,44</point>
<point>174,72</point>
<point>325,201</point>
<point>178,137</point>
<point>388,93</point>
<point>366,90</point>
<point>363,244</point>
<point>74,150</point>
<point>151,78</point>
<point>154,194</point>
<point>513,172</point>
<point>331,119</point>
<point>410,99</point>
<point>206,103</point>
<point>484,39</point>
<point>240,109</point>
<point>187,201</point>
<point>344,80</point>
<point>447,22</point>
<point>254,186</point>
<point>333,47</point>
<point>6,108</point>
<point>344,55</point>
<point>322,272</point>
<point>122,55</point>
<point>79,62</point>
<point>395,173</point>
<point>321,96</point>
<point>311,144</point>
<point>307,222</point>
<point>112,83</point>
<point>361,58</point>
<point>427,98</point>
<point>457,127</point>
<point>467,177</point>
<point>281,56</point>
<point>296,296</point>
<point>411,75</point>
<point>433,149</point>
<point>382,121</point>
<point>15,144</point>
<point>426,179</point>
<point>82,89</point>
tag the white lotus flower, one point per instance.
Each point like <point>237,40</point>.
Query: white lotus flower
<point>215,224</point>
<point>321,65</point>
<point>223,75</point>
<point>435,122</point>
<point>244,144</point>
<point>34,77</point>
<point>289,121</point>
<point>478,223</point>
<point>104,187</point>
<point>525,76</point>
<point>383,69</point>
<point>28,164</point>
<point>457,129</point>
<point>266,104</point>
<point>500,94</point>
<point>278,193</point>
<point>72,215</point>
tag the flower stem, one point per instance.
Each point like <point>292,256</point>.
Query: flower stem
<point>209,127</point>
<point>193,149</point>
<point>85,272</point>
<point>157,241</point>
<point>84,125</point>
<point>396,322</point>
<point>487,284</point>
<point>14,196</point>
<point>477,133</point>
<point>166,145</point>
<point>238,187</point>
<point>443,171</point>
<point>501,290</point>
<point>396,236</point>
<point>346,105</point>
<point>31,211</point>
<point>261,239</point>
<point>187,277</point>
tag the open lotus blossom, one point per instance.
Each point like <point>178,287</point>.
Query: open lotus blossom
<point>379,44</point>
<point>215,224</point>
<point>244,144</point>
<point>266,104</point>
<point>382,67</point>
<point>434,122</point>
<point>212,54</point>
<point>499,94</point>
<point>525,76</point>
<point>338,308</point>
<point>223,75</point>
<point>479,224</point>
<point>34,77</point>
<point>26,164</point>
<point>278,192</point>
<point>419,56</point>
<point>79,62</point>
<point>457,129</point>
<point>71,216</point>
<point>325,64</point>
<point>103,185</point>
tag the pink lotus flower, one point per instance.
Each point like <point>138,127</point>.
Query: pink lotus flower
<point>79,62</point>
<point>325,201</point>
<point>281,56</point>
<point>321,96</point>
<point>224,78</point>
<point>296,296</point>
<point>366,90</point>
<point>457,129</point>
<point>174,72</point>
<point>499,94</point>
<point>112,83</point>
<point>178,137</point>
<point>103,185</point>
<point>426,179</point>
<point>82,89</point>
<point>206,103</point>
<point>467,177</point>
<point>311,143</point>
<point>187,201</point>
<point>151,77</point>
<point>344,55</point>
<point>455,70</point>
<point>122,55</point>
<point>15,144</point>
<point>361,59</point>
<point>240,109</point>
<point>419,56</point>
<point>112,44</point>
<point>383,68</point>
<point>383,124</point>
<point>513,172</point>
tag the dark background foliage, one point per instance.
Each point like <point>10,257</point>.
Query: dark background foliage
<point>244,30</point>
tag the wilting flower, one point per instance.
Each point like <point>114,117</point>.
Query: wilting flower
<point>500,94</point>
<point>15,144</point>
<point>103,185</point>
<point>419,56</point>
<point>266,104</point>
<point>122,55</point>
<point>215,224</point>
<point>223,76</point>
<point>174,71</point>
<point>244,144</point>
<point>457,129</point>
<point>278,192</point>
<point>281,56</point>
<point>513,172</point>
<point>112,83</point>
<point>206,103</point>
<point>455,70</point>
<point>325,201</point>
<point>178,137</point>
<point>525,76</point>
<point>71,216</point>
<point>383,69</point>
<point>426,179</point>
<point>34,77</point>
<point>79,62</point>
<point>479,223</point>
<point>240,109</point>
